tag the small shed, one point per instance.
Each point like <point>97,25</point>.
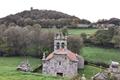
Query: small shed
<point>24,66</point>
<point>100,76</point>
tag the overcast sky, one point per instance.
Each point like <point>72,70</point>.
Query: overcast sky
<point>87,9</point>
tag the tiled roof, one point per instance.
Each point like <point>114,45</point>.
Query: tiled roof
<point>72,56</point>
<point>50,56</point>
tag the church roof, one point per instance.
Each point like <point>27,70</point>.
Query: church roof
<point>72,56</point>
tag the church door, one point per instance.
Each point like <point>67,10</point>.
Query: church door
<point>59,74</point>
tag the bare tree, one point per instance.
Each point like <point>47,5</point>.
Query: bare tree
<point>12,35</point>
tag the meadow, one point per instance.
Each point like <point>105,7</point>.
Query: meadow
<point>96,54</point>
<point>104,55</point>
<point>8,65</point>
<point>8,70</point>
<point>75,31</point>
<point>79,31</point>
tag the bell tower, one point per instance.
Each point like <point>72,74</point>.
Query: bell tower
<point>60,41</point>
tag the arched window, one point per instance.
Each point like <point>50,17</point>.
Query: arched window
<point>63,45</point>
<point>58,45</point>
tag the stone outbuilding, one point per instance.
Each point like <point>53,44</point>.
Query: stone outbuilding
<point>114,67</point>
<point>62,61</point>
<point>100,76</point>
<point>24,66</point>
<point>112,73</point>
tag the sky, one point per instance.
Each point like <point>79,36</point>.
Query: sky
<point>84,9</point>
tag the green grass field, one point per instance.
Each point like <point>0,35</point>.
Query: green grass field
<point>8,70</point>
<point>79,31</point>
<point>89,71</point>
<point>76,31</point>
<point>100,54</point>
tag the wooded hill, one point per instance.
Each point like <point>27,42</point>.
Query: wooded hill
<point>114,21</point>
<point>46,18</point>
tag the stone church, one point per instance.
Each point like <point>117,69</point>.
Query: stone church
<point>62,61</point>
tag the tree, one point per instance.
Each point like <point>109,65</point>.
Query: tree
<point>104,36</point>
<point>75,43</point>
<point>28,21</point>
<point>35,39</point>
<point>12,35</point>
<point>24,41</point>
<point>3,27</point>
<point>64,31</point>
<point>84,36</point>
<point>116,38</point>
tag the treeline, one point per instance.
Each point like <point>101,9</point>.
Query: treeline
<point>31,41</point>
<point>46,18</point>
<point>104,38</point>
<point>114,21</point>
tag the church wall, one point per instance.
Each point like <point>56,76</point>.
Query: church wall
<point>60,64</point>
<point>72,69</point>
<point>80,62</point>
